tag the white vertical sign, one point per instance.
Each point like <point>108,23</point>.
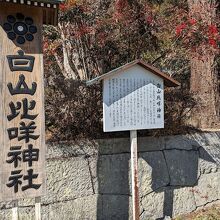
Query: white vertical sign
<point>133,100</point>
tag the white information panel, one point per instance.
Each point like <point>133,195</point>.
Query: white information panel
<point>133,100</point>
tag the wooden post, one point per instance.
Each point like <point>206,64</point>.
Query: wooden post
<point>134,174</point>
<point>21,83</point>
<point>37,208</point>
<point>15,210</point>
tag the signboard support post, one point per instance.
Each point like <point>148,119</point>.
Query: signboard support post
<point>15,210</point>
<point>134,174</point>
<point>38,208</point>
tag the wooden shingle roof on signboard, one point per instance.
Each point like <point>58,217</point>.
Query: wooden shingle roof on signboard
<point>168,81</point>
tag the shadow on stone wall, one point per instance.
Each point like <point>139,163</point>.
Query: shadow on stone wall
<point>169,172</point>
<point>90,180</point>
<point>113,187</point>
<point>181,175</point>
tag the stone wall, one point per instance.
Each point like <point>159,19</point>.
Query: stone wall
<point>91,180</point>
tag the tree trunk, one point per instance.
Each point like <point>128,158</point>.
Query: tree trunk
<point>203,86</point>
<point>203,81</point>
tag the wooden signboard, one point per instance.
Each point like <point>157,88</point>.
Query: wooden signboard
<point>133,100</point>
<point>22,133</point>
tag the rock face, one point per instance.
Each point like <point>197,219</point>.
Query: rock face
<point>92,180</point>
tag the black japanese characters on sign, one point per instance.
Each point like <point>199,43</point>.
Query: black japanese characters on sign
<point>22,87</point>
<point>26,106</point>
<point>20,28</point>
<point>21,62</point>
<point>159,98</point>
<point>133,102</point>
<point>29,155</point>
<point>15,180</point>
<point>25,131</point>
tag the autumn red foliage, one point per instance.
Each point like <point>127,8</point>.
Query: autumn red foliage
<point>94,37</point>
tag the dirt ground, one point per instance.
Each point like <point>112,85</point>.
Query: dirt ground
<point>210,213</point>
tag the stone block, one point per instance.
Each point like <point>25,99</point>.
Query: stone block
<point>67,179</point>
<point>113,207</point>
<point>114,146</point>
<point>181,142</point>
<point>146,144</point>
<point>153,205</point>
<point>113,174</point>
<point>72,149</point>
<point>207,138</point>
<point>182,167</point>
<point>153,173</point>
<point>82,208</point>
<point>208,189</point>
<point>183,201</point>
<point>209,157</point>
<point>122,145</point>
<point>168,201</point>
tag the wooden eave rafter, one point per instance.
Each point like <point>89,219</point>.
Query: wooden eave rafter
<point>50,8</point>
<point>44,4</point>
